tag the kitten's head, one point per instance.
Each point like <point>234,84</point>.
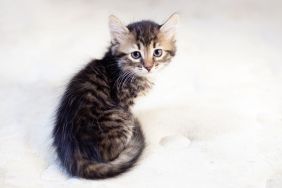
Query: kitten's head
<point>143,47</point>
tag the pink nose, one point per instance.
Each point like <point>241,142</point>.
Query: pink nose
<point>148,68</point>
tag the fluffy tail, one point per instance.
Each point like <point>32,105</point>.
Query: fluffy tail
<point>126,159</point>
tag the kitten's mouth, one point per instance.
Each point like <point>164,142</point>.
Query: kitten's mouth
<point>144,74</point>
<point>150,76</point>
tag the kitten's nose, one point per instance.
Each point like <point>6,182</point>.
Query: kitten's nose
<point>148,68</point>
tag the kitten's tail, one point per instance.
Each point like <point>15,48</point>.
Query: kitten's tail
<point>122,163</point>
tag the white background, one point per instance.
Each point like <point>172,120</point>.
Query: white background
<point>213,119</point>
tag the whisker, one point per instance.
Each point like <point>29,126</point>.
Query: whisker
<point>124,79</point>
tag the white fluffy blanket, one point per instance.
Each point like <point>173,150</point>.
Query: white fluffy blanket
<point>213,120</point>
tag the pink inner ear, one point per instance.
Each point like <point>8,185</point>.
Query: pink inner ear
<point>169,27</point>
<point>118,30</point>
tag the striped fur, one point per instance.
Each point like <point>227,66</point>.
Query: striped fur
<point>95,135</point>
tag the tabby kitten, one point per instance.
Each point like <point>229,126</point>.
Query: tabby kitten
<point>96,135</point>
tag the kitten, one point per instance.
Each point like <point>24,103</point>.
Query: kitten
<point>95,135</point>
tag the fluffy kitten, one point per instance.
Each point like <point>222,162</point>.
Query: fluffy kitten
<point>95,135</point>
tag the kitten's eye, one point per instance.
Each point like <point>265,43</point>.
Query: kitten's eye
<point>135,55</point>
<point>158,52</point>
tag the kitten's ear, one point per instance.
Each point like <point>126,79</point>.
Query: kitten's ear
<point>169,27</point>
<point>118,30</point>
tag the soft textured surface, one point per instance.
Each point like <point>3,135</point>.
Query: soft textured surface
<point>214,118</point>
